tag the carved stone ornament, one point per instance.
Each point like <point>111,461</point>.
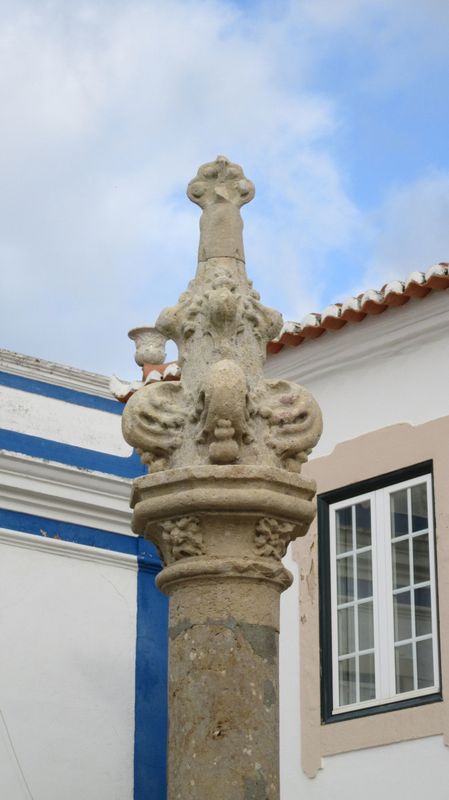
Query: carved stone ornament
<point>183,538</point>
<point>273,537</point>
<point>223,411</point>
<point>223,498</point>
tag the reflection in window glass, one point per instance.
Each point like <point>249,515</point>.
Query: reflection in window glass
<point>419,507</point>
<point>404,668</point>
<point>347,681</point>
<point>401,564</point>
<point>366,626</point>
<point>367,677</point>
<point>363,524</point>
<point>423,615</point>
<point>402,616</point>
<point>344,529</point>
<point>364,575</point>
<point>421,563</point>
<point>424,659</point>
<point>399,513</point>
<point>346,640</point>
<point>345,580</point>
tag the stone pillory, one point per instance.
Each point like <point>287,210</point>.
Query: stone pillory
<point>223,500</point>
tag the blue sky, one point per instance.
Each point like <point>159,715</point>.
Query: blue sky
<point>337,110</point>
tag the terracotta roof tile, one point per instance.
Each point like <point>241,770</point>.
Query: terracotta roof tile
<point>334,317</point>
<point>355,309</point>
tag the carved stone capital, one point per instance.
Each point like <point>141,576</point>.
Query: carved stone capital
<point>222,521</point>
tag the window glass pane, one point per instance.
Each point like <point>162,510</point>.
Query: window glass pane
<point>402,616</point>
<point>419,507</point>
<point>424,659</point>
<point>421,564</point>
<point>401,566</point>
<point>399,516</point>
<point>344,529</point>
<point>346,641</point>
<point>404,668</point>
<point>423,617</point>
<point>345,580</point>
<point>347,681</point>
<point>367,679</point>
<point>363,524</point>
<point>366,626</point>
<point>364,575</point>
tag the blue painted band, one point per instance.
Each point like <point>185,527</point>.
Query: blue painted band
<point>146,553</point>
<point>123,466</point>
<point>61,393</point>
<point>150,731</point>
<point>150,711</point>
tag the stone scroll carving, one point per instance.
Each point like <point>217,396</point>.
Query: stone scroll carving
<point>153,422</point>
<point>273,537</point>
<point>293,422</point>
<point>223,411</point>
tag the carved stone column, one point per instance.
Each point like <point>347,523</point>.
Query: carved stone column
<point>222,502</point>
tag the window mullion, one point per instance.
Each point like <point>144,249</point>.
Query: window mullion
<point>356,607</point>
<point>412,589</point>
<point>386,628</point>
<point>433,583</point>
<point>334,612</point>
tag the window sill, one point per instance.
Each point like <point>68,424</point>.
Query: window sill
<point>383,708</point>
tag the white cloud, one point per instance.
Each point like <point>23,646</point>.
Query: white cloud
<point>110,108</point>
<point>413,230</point>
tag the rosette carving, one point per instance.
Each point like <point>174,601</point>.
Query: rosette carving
<point>183,538</point>
<point>273,537</point>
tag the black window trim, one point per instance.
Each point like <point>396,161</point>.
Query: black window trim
<point>323,502</point>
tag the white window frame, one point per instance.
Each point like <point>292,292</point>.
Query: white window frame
<point>384,649</point>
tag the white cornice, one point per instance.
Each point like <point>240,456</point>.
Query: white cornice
<point>67,549</point>
<point>375,338</point>
<point>57,374</point>
<point>64,493</point>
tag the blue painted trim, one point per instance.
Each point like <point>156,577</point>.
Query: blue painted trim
<point>61,393</point>
<point>150,731</point>
<point>150,709</point>
<point>70,532</point>
<point>123,466</point>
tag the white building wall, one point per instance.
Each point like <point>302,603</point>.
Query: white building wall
<point>68,612</point>
<point>370,375</point>
<point>66,670</point>
<point>59,421</point>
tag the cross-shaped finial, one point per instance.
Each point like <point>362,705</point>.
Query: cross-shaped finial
<point>220,188</point>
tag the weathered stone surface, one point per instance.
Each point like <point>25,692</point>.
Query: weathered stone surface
<point>224,498</point>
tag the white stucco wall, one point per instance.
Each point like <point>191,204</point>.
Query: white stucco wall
<point>366,376</point>
<point>59,421</point>
<point>66,670</point>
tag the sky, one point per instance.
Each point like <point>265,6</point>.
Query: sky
<point>336,109</point>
